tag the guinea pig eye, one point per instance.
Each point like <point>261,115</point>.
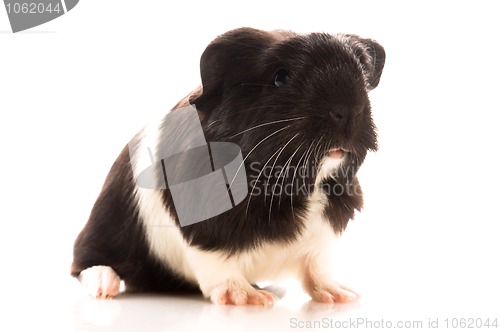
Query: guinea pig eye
<point>280,78</point>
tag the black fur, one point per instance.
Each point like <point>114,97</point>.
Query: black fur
<point>325,91</point>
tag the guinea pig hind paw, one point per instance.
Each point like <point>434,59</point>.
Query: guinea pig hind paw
<point>101,282</point>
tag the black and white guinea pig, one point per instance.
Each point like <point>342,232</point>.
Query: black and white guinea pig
<point>297,105</point>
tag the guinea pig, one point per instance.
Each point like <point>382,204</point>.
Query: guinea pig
<point>297,106</point>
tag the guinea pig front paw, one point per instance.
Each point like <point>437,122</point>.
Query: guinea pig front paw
<point>333,293</point>
<point>232,292</point>
<point>101,282</point>
<point>321,290</point>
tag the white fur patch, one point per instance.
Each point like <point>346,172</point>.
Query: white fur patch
<point>164,238</point>
<point>328,168</point>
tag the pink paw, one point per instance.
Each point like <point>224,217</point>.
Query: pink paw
<point>232,293</point>
<point>102,282</point>
<point>333,294</point>
<point>321,289</point>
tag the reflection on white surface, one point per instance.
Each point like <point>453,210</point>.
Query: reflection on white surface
<point>72,310</point>
<point>99,313</point>
<point>392,297</point>
<point>192,313</point>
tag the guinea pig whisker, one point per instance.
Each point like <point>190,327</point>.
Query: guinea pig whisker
<point>310,158</point>
<point>253,149</point>
<point>211,123</point>
<point>287,166</point>
<point>266,124</point>
<point>257,180</point>
<point>277,179</point>
<point>293,182</point>
<point>289,159</point>
<point>303,165</point>
<point>279,150</point>
<point>274,164</point>
<point>305,160</point>
<point>235,113</point>
<point>323,149</point>
<point>318,148</point>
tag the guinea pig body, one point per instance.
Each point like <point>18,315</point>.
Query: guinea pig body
<point>298,108</point>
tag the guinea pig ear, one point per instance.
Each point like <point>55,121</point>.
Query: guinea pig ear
<point>372,57</point>
<point>231,57</point>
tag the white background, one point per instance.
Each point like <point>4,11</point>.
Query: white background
<point>74,91</point>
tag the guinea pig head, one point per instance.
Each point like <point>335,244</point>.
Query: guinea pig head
<point>291,101</point>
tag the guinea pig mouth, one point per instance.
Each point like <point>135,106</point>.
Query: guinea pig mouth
<point>336,153</point>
